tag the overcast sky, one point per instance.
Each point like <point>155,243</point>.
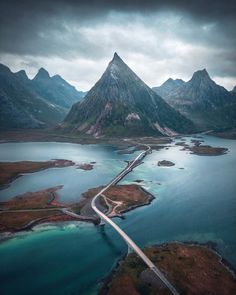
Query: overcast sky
<point>157,39</point>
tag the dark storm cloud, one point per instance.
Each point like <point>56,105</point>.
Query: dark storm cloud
<point>24,23</point>
<point>169,37</point>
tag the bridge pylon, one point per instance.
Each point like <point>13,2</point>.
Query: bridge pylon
<point>102,223</point>
<point>130,250</point>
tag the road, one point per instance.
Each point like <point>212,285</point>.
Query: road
<point>31,210</point>
<point>126,238</point>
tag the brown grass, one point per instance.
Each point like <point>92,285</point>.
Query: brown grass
<point>10,170</point>
<point>16,220</point>
<point>33,200</point>
<point>191,269</point>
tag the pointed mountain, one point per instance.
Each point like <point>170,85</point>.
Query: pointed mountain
<point>167,86</point>
<point>209,105</point>
<point>41,75</point>
<point>121,104</point>
<point>22,75</point>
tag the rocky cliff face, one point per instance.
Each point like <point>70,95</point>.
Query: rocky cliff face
<point>121,104</point>
<point>209,105</point>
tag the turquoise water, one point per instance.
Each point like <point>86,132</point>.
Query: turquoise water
<point>195,203</point>
<point>74,181</point>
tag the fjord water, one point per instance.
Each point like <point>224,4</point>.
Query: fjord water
<point>196,203</point>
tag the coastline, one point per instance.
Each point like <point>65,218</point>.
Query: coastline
<point>106,281</point>
<point>10,171</point>
<point>31,203</point>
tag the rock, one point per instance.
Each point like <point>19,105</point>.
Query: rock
<point>165,163</point>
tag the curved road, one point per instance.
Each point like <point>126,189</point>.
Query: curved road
<point>127,239</point>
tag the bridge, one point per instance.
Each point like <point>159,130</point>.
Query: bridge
<point>131,244</point>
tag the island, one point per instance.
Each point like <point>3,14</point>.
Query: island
<point>117,200</point>
<point>197,148</point>
<point>86,166</point>
<point>192,269</point>
<point>205,150</point>
<point>165,163</point>
<point>11,170</point>
<point>25,211</point>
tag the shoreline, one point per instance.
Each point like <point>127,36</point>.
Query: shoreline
<point>106,281</point>
<point>10,171</point>
<point>56,208</point>
<point>131,208</point>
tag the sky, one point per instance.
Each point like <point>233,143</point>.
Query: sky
<point>157,39</point>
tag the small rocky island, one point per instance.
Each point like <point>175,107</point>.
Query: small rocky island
<point>165,163</point>
<point>86,166</point>
<point>192,269</point>
<point>207,150</point>
<point>197,148</point>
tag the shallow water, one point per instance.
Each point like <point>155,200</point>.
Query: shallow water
<point>195,203</point>
<point>74,181</point>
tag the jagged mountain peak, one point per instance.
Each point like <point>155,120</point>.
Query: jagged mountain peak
<point>22,74</point>
<point>116,57</point>
<point>201,75</point>
<point>116,64</point>
<point>176,82</point>
<point>168,86</point>
<point>42,74</point>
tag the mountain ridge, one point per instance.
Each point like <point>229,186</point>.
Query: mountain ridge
<point>208,104</point>
<point>22,105</point>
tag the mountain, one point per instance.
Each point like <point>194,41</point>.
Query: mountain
<point>167,86</point>
<point>20,106</point>
<point>23,105</point>
<point>234,89</point>
<point>56,90</point>
<point>208,105</point>
<point>121,104</point>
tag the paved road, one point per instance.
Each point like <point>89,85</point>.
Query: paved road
<point>127,239</point>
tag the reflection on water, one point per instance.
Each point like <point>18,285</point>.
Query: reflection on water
<point>195,203</point>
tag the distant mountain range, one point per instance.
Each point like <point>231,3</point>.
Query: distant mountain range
<point>43,101</point>
<point>121,104</point>
<point>207,104</point>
